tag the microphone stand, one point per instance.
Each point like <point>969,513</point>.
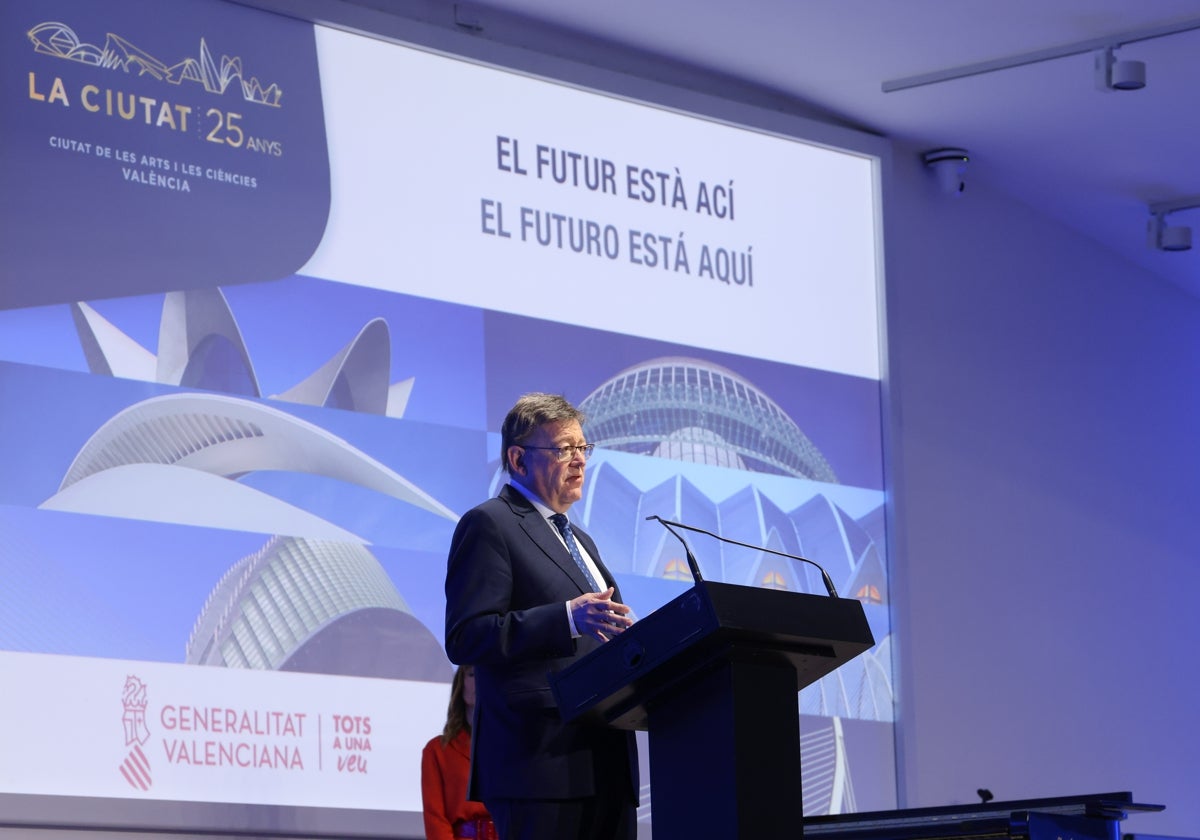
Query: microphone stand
<point>691,558</point>
<point>666,523</point>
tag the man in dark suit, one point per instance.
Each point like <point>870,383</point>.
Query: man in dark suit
<point>527,595</point>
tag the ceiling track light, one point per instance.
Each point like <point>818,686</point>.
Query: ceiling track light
<point>1115,74</point>
<point>1166,237</point>
<point>1123,73</point>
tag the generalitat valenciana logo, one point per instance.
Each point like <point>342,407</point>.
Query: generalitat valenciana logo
<point>136,766</point>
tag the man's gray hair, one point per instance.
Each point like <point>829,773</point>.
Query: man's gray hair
<point>531,412</point>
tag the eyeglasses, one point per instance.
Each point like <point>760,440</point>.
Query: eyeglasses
<point>565,453</point>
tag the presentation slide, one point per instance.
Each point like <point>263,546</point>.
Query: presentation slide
<point>269,289</point>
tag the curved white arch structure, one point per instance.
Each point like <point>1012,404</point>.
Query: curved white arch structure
<point>356,378</point>
<point>200,345</point>
<point>158,493</point>
<point>227,437</point>
<point>192,323</point>
<point>109,351</point>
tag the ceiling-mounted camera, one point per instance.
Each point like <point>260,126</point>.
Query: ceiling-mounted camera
<point>950,167</point>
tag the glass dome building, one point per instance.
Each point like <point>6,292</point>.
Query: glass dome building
<point>692,410</point>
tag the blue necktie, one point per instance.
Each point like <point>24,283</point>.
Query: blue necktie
<point>564,528</point>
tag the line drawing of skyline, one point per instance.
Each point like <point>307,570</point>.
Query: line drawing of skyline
<point>58,40</point>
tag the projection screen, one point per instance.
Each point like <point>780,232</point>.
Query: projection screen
<point>269,288</point>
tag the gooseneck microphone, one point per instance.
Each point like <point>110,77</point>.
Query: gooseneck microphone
<point>666,523</point>
<point>691,558</point>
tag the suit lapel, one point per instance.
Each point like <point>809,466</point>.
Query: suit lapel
<point>538,530</point>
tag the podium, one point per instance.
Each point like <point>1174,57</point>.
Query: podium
<point>713,676</point>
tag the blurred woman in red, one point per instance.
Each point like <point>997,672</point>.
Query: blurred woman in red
<point>445,763</point>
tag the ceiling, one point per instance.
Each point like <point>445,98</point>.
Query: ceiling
<point>1042,133</point>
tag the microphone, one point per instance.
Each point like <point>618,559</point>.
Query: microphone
<point>691,560</point>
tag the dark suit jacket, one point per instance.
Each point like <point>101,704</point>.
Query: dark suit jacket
<point>508,578</point>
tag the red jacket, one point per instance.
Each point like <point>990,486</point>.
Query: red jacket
<point>444,771</point>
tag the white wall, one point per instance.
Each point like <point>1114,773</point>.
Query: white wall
<point>1047,486</point>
